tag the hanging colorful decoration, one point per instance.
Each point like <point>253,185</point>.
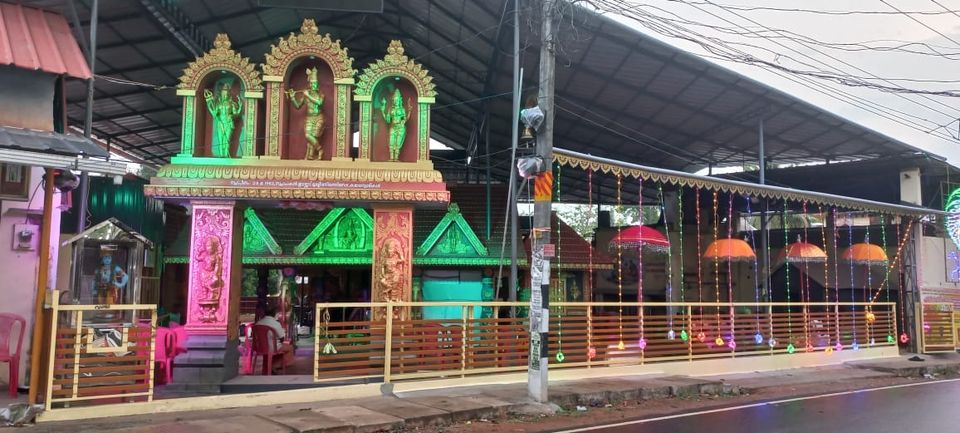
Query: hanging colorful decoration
<point>642,342</point>
<point>855,345</point>
<point>901,297</point>
<point>758,336</point>
<point>683,332</point>
<point>620,345</point>
<point>826,272</point>
<point>561,289</point>
<point>836,280</point>
<point>701,336</point>
<point>671,334</point>
<point>952,220</point>
<point>786,267</point>
<point>591,351</point>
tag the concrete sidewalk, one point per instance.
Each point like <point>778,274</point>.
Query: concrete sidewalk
<point>451,405</point>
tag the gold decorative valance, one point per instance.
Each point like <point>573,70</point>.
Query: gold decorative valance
<point>395,63</point>
<point>221,57</point>
<point>308,42</point>
<point>625,169</point>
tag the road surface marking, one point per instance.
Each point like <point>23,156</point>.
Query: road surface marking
<point>747,406</point>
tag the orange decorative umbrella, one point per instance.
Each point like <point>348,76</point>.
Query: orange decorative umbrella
<point>646,239</point>
<point>802,252</point>
<point>729,249</point>
<point>865,254</point>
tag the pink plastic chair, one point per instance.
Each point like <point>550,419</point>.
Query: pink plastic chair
<point>264,345</point>
<point>7,322</point>
<point>164,351</point>
<point>180,338</point>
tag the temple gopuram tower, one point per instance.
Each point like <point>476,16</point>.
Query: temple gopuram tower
<point>297,154</point>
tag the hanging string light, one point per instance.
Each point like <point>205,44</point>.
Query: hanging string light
<point>805,287</point>
<point>642,342</point>
<point>591,351</point>
<point>772,341</point>
<point>683,331</point>
<point>620,344</point>
<point>701,336</point>
<point>758,337</point>
<point>561,287</point>
<point>826,273</point>
<point>855,345</point>
<point>786,266</point>
<point>901,295</point>
<point>869,316</point>
<point>716,267</point>
<point>886,277</point>
<point>671,334</point>
<point>836,280</point>
<point>731,341</point>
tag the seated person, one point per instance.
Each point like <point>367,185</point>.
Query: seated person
<point>270,319</point>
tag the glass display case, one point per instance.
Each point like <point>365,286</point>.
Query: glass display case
<point>107,265</point>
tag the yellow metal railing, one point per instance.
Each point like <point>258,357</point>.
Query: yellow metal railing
<point>100,354</point>
<point>394,341</point>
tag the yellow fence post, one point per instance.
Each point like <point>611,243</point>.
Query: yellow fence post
<point>465,310</point>
<point>54,307</point>
<point>388,344</point>
<point>690,334</point>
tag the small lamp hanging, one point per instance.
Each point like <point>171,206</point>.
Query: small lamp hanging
<point>865,254</point>
<point>729,249</point>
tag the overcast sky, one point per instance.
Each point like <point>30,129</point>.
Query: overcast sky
<point>923,113</point>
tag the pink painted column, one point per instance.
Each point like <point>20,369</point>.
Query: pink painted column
<point>214,269</point>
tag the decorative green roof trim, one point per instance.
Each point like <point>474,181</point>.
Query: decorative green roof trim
<point>287,260</point>
<point>457,248</point>
<point>460,261</point>
<point>256,238</point>
<point>331,222</point>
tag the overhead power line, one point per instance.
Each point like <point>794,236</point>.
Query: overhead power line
<point>818,11</point>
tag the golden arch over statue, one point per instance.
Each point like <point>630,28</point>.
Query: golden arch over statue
<point>396,92</point>
<point>284,69</point>
<point>208,85</point>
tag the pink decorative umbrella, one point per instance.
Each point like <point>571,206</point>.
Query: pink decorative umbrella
<point>643,238</point>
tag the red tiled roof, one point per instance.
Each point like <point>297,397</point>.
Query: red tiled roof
<point>35,39</point>
<point>573,250</point>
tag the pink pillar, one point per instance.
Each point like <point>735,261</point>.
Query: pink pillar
<point>214,269</point>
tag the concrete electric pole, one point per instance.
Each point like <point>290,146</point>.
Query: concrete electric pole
<point>540,234</point>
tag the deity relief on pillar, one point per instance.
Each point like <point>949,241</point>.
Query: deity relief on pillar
<point>309,90</point>
<point>392,266</point>
<point>395,95</point>
<point>220,91</point>
<point>211,241</point>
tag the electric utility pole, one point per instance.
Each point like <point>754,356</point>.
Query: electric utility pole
<point>542,250</point>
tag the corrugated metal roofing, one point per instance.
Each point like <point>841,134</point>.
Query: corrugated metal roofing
<point>49,142</point>
<point>39,40</point>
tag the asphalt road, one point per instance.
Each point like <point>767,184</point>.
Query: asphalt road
<point>930,407</point>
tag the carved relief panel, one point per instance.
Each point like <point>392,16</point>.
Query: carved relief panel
<point>211,246</point>
<point>392,259</point>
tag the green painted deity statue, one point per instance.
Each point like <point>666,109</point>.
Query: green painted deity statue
<point>313,126</point>
<point>224,111</point>
<point>396,116</point>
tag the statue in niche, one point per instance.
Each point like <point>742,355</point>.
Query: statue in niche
<point>224,110</point>
<point>391,275</point>
<point>396,116</point>
<point>313,126</point>
<point>109,279</point>
<point>210,264</point>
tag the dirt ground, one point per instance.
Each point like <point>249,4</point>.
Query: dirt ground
<point>651,408</point>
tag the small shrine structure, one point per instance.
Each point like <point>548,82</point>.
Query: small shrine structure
<point>297,154</point>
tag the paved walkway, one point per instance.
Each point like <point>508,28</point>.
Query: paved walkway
<point>450,405</point>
